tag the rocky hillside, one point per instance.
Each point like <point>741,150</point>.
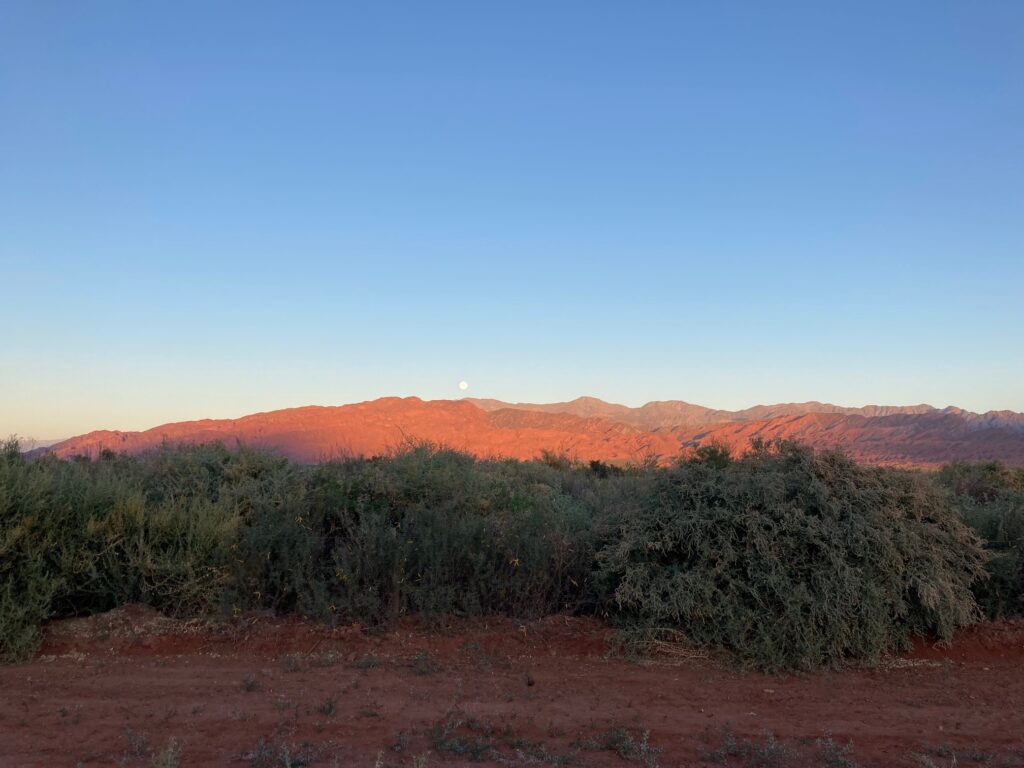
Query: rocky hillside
<point>588,428</point>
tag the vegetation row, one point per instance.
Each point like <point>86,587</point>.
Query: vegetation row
<point>784,558</point>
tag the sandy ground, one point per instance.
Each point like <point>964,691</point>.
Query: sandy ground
<point>137,689</point>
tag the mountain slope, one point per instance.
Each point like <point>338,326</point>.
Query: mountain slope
<point>901,439</point>
<point>588,428</point>
<point>317,432</point>
<point>677,413</point>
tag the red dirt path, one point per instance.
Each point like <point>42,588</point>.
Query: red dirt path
<point>410,697</point>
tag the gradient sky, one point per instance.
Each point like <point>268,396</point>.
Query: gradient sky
<point>210,209</point>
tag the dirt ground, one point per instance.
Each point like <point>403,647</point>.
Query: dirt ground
<point>133,688</point>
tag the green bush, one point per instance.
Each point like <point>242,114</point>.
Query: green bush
<point>26,590</point>
<point>79,537</point>
<point>794,559</point>
<point>424,531</point>
<point>439,533</point>
<point>981,481</point>
<point>990,499</point>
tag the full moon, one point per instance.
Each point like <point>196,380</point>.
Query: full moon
<point>463,385</point>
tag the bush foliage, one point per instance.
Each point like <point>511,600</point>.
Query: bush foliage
<point>794,559</point>
<point>196,530</point>
<point>990,499</point>
<point>787,558</point>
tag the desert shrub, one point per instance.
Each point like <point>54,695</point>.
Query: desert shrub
<point>981,481</point>
<point>81,536</point>
<point>423,530</point>
<point>172,473</point>
<point>437,532</point>
<point>275,552</point>
<point>1001,594</point>
<point>990,499</point>
<point>108,545</point>
<point>190,530</point>
<point>794,559</point>
<point>27,586</point>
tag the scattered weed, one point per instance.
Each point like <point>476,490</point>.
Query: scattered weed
<point>282,704</point>
<point>281,755</point>
<point>401,742</point>
<point>445,739</point>
<point>833,754</point>
<point>944,756</point>
<point>423,663</point>
<point>138,744</point>
<point>369,661</point>
<point>169,756</point>
<point>766,753</point>
<point>325,659</point>
<point>619,740</point>
<point>328,707</point>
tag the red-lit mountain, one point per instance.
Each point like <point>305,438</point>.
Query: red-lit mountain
<point>588,428</point>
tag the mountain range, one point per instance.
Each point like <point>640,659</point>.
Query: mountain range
<point>588,428</point>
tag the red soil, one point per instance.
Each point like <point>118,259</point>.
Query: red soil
<point>550,682</point>
<point>588,429</point>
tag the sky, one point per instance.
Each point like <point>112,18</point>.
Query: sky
<point>213,209</point>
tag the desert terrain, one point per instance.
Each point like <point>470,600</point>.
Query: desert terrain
<point>130,686</point>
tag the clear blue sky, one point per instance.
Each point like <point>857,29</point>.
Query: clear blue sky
<point>209,209</point>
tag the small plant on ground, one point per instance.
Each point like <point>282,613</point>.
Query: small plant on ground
<point>768,752</point>
<point>446,739</point>
<point>169,756</point>
<point>328,659</point>
<point>401,742</point>
<point>943,755</point>
<point>282,704</point>
<point>835,755</point>
<point>623,743</point>
<point>328,707</point>
<point>138,744</point>
<point>280,754</point>
<point>423,663</point>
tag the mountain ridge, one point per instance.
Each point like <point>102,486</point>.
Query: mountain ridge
<point>658,413</point>
<point>588,429</point>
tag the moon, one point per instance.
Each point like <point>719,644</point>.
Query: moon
<point>463,385</point>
